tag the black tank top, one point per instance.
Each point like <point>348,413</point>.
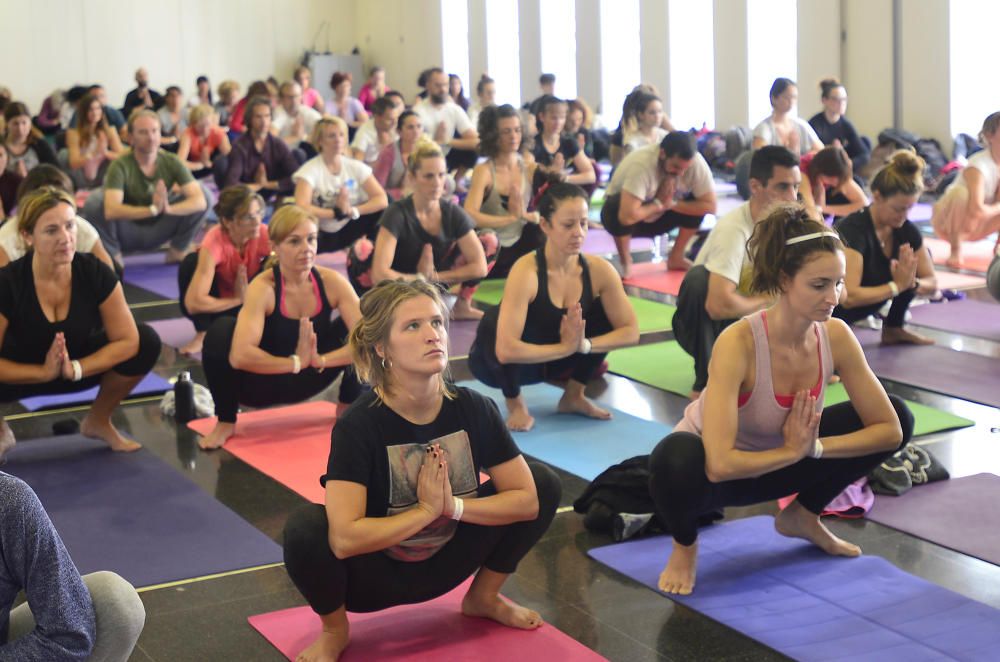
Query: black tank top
<point>281,333</point>
<point>543,319</point>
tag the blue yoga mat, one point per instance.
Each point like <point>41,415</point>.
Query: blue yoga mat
<point>793,597</point>
<point>579,445</point>
<point>151,384</point>
<point>134,514</point>
<point>150,272</point>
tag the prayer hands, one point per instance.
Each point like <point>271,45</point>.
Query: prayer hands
<point>571,329</point>
<point>241,283</point>
<point>904,268</point>
<point>57,360</point>
<point>425,265</point>
<point>433,486</point>
<point>305,349</point>
<point>441,134</point>
<point>21,169</point>
<point>343,201</point>
<point>260,176</point>
<point>801,428</point>
<point>160,197</point>
<point>558,162</point>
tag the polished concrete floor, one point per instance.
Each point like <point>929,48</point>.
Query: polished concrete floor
<point>609,613</point>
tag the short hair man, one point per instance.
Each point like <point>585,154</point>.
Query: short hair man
<point>378,131</point>
<point>137,210</point>
<point>259,159</point>
<point>443,119</point>
<point>715,292</point>
<point>142,96</point>
<point>293,120</point>
<point>547,83</point>
<point>655,189</point>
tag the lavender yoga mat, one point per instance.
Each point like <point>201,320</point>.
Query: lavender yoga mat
<point>151,384</point>
<point>175,332</point>
<point>461,334</point>
<point>969,318</point>
<point>791,596</point>
<point>150,272</point>
<point>600,242</point>
<point>134,514</point>
<point>959,514</point>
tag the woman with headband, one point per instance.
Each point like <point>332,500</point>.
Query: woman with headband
<point>759,431</point>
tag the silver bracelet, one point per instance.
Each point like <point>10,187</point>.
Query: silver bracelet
<point>296,364</point>
<point>77,370</point>
<point>817,451</point>
<point>458,508</point>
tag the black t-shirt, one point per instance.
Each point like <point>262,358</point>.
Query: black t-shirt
<point>400,219</point>
<point>841,130</point>
<point>27,327</point>
<point>568,147</point>
<point>376,447</point>
<point>858,232</point>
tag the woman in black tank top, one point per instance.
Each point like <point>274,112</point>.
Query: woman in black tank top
<point>561,312</point>
<point>285,346</point>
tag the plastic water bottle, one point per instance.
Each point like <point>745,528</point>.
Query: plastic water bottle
<point>184,398</point>
<point>351,187</point>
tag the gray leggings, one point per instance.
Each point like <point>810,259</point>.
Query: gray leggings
<point>118,612</point>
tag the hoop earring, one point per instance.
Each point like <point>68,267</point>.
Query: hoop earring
<point>386,368</point>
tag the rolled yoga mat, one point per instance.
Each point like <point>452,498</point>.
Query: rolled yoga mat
<point>652,315</point>
<point>791,596</point>
<point>150,272</point>
<point>432,631</point>
<point>960,514</point>
<point>666,366</point>
<point>151,384</point>
<point>134,514</point>
<point>582,446</point>
<point>978,319</point>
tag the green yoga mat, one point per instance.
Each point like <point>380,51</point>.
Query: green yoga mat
<point>653,315</point>
<point>666,366</point>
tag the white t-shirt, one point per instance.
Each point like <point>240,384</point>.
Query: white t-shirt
<point>639,174</point>
<point>326,185</point>
<point>983,162</point>
<point>10,239</point>
<point>808,139</point>
<point>725,253</point>
<point>451,114</point>
<point>636,140</point>
<point>366,141</point>
<point>282,121</point>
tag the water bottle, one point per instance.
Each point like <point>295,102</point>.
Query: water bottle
<point>184,398</point>
<point>351,186</point>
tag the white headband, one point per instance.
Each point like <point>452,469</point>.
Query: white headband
<point>811,235</point>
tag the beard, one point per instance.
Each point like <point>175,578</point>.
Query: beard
<point>438,99</point>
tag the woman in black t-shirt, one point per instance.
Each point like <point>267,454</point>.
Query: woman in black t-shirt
<point>64,323</point>
<point>406,518</point>
<point>425,235</point>
<point>556,151</point>
<point>886,256</point>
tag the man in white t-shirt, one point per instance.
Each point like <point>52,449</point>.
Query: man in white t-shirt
<point>655,189</point>
<point>378,131</point>
<point>293,121</point>
<point>716,292</point>
<point>447,123</point>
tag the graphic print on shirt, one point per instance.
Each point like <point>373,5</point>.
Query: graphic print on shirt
<point>405,461</point>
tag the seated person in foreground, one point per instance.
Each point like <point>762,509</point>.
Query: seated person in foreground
<point>213,281</point>
<point>283,347</point>
<point>759,431</point>
<point>406,518</point>
<point>886,256</point>
<point>562,311</point>
<point>64,323</point>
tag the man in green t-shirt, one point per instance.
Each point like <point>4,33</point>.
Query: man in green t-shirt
<point>149,197</point>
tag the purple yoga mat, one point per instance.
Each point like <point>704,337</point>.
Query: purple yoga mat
<point>151,384</point>
<point>960,514</point>
<point>600,242</point>
<point>150,272</point>
<point>791,596</point>
<point>461,333</point>
<point>134,514</point>
<point>979,319</point>
<point>175,332</point>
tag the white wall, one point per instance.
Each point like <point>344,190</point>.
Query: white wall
<point>925,75</point>
<point>85,41</point>
<point>818,51</point>
<point>730,55</point>
<point>867,58</point>
<point>405,38</point>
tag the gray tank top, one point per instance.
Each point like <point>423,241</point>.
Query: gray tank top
<point>494,204</point>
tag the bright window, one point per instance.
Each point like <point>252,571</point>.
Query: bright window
<point>503,56</point>
<point>558,28</point>
<point>620,69</point>
<point>455,41</point>
<point>772,51</point>
<point>973,93</point>
<point>692,64</point>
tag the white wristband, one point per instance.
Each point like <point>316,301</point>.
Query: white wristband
<point>296,364</point>
<point>817,451</point>
<point>458,508</point>
<point>153,211</point>
<point>894,288</point>
<point>586,346</point>
<point>77,370</point>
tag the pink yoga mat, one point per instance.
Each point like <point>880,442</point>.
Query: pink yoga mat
<point>289,444</point>
<point>655,277</point>
<point>434,631</point>
<point>976,256</point>
<point>949,280</point>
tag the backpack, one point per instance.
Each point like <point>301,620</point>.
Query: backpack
<point>738,140</point>
<point>712,146</point>
<point>965,146</point>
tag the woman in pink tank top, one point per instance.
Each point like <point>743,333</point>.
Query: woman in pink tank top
<point>759,431</point>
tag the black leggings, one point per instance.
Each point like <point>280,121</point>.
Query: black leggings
<point>681,490</point>
<point>531,239</point>
<point>363,226</point>
<point>231,387</point>
<point>895,318</point>
<point>374,581</point>
<point>137,366</point>
<point>184,275</point>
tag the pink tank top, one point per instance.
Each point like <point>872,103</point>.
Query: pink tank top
<point>762,413</point>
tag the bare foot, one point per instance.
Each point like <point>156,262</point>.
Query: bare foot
<point>500,610</point>
<point>678,575</point>
<point>218,436</point>
<point>518,418</point>
<point>797,522</point>
<point>464,310</point>
<point>900,336</point>
<point>682,264</point>
<point>581,405</point>
<point>834,379</point>
<point>694,395</point>
<point>175,256</point>
<point>954,262</point>
<point>327,648</point>
<point>194,347</point>
<point>108,434</point>
<point>7,439</point>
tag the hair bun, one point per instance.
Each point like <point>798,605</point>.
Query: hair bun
<point>906,162</point>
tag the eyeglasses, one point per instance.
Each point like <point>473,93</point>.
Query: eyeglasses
<point>251,218</point>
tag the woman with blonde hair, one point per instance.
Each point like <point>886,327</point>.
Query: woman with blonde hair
<point>202,141</point>
<point>92,145</point>
<point>284,346</point>
<point>406,517</point>
<point>229,92</point>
